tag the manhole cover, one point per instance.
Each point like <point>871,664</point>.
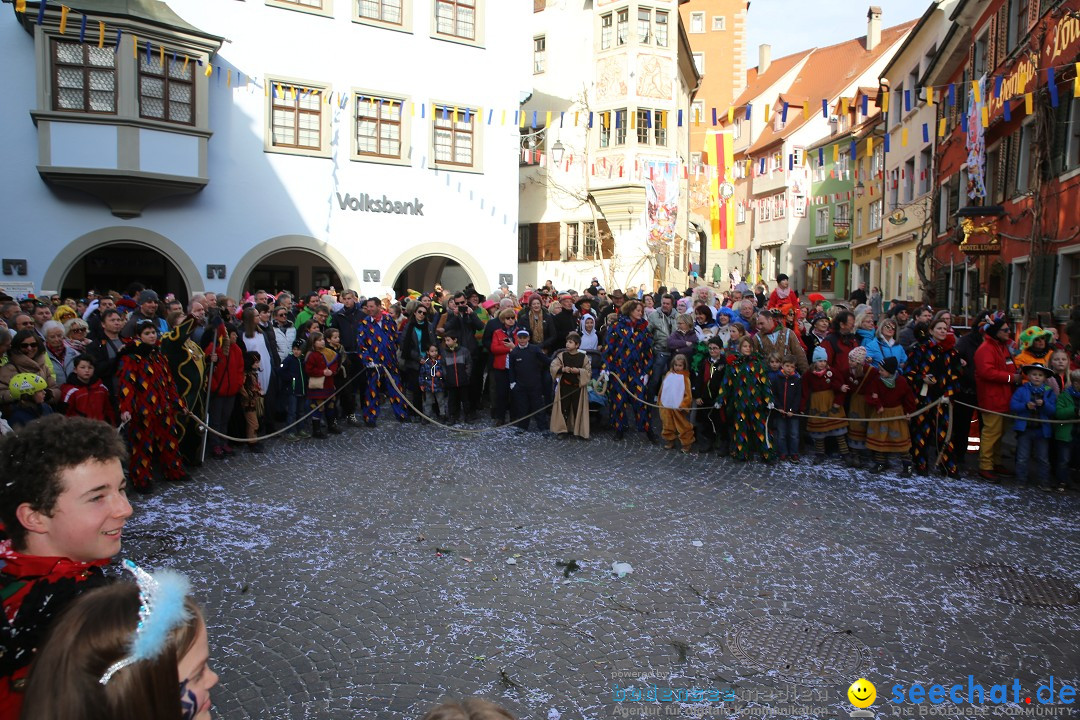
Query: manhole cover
<point>151,548</point>
<point>799,651</point>
<point>1019,586</point>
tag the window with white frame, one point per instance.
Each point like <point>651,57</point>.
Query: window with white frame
<point>737,128</point>
<point>798,156</point>
<point>539,54</point>
<point>573,248</point>
<point>1020,281</point>
<point>699,62</point>
<point>389,12</point>
<point>457,18</point>
<point>1023,165</point>
<point>843,166</point>
<point>780,202</point>
<point>764,209</point>
<point>644,26</point>
<point>875,215</point>
<point>926,158</point>
<point>589,231</point>
<point>843,214</point>
<point>622,26</point>
<point>878,161</point>
<point>606,31</point>
<point>661,29</point>
<point>719,23</point>
<point>697,111</point>
<point>454,131</point>
<point>620,127</point>
<point>740,213</point>
<point>695,162</point>
<point>909,180</point>
<point>858,222</point>
<point>298,122</point>
<point>1071,146</point>
<point>605,129</point>
<point>697,22</point>
<point>821,222</point>
<point>378,127</point>
<point>777,160</point>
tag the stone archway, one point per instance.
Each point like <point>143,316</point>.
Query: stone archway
<point>439,253</point>
<point>75,251</point>
<point>283,243</point>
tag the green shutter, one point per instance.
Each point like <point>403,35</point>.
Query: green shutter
<point>1042,297</point>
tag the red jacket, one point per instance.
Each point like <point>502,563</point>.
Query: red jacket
<point>88,401</point>
<point>830,380</point>
<point>878,395</point>
<point>500,353</point>
<point>314,364</point>
<point>228,372</point>
<point>994,371</point>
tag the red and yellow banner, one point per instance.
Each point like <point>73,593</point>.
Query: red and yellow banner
<point>719,152</point>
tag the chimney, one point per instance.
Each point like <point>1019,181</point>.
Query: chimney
<point>764,55</point>
<point>873,28</point>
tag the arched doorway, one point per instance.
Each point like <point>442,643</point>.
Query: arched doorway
<point>119,265</point>
<point>423,274</point>
<point>295,270</point>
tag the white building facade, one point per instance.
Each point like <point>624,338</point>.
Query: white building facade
<point>611,81</point>
<point>278,144</point>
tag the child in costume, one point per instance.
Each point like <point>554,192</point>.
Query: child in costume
<point>432,385</point>
<point>747,396</point>
<point>823,399</point>
<point>572,371</point>
<point>293,389</point>
<point>149,403</point>
<point>708,383</point>
<point>1068,408</point>
<point>251,399</point>
<point>888,395</point>
<point>1033,399</point>
<point>787,401</point>
<point>55,544</point>
<point>675,393</point>
<point>858,374</point>
<point>320,367</point>
<point>85,396</point>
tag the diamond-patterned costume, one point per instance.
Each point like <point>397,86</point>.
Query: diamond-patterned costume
<point>628,355</point>
<point>747,394</point>
<point>377,342</point>
<point>145,388</point>
<point>929,431</point>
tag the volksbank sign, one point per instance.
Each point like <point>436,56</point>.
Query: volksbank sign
<point>366,203</point>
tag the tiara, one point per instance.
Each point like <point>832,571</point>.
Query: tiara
<point>161,609</point>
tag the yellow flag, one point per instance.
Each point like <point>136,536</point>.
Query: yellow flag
<point>228,77</point>
<point>20,6</point>
<point>633,120</point>
<point>521,118</point>
<point>209,68</point>
<point>63,19</point>
<point>767,113</point>
<point>547,119</point>
<point>884,102</point>
<point>576,118</point>
<point>870,145</point>
<point>730,115</point>
<point>941,128</point>
<point>135,46</point>
<point>1076,80</point>
<point>455,113</point>
<point>161,55</point>
<point>806,109</point>
<point>843,106</point>
<point>1029,102</point>
<point>836,153</point>
<point>186,61</point>
<point>101,35</point>
<point>903,137</point>
<point>503,120</point>
<point>985,116</point>
<point>975,91</point>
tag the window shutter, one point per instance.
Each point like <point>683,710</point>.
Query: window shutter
<point>1043,277</point>
<point>1002,39</point>
<point>1002,172</point>
<point>548,241</point>
<point>1033,13</point>
<point>1010,167</point>
<point>534,247</point>
<point>607,241</point>
<point>941,287</point>
<point>991,45</point>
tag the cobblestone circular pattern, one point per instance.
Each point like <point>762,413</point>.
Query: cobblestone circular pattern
<point>800,651</point>
<point>1019,586</point>
<point>150,548</point>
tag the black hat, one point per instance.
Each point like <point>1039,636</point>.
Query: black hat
<point>895,308</point>
<point>996,325</point>
<point>298,344</point>
<point>890,365</point>
<point>1037,366</point>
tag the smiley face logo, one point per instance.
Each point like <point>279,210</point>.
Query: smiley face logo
<point>862,693</point>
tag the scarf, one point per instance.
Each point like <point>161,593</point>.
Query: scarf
<point>888,382</point>
<point>782,293</point>
<point>536,327</point>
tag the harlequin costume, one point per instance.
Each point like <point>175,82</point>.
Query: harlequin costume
<point>747,394</point>
<point>145,388</point>
<point>377,342</point>
<point>628,356</point>
<point>34,590</point>
<point>929,430</point>
<point>187,361</point>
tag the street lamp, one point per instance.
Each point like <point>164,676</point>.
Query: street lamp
<point>860,189</point>
<point>557,151</point>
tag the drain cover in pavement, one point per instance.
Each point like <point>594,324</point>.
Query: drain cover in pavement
<point>1019,586</point>
<point>799,651</point>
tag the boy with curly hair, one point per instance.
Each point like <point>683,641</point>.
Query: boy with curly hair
<point>63,505</point>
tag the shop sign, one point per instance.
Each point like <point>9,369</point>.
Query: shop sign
<point>979,228</point>
<point>367,203</point>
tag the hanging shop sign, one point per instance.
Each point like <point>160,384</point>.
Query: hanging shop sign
<point>898,217</point>
<point>978,226</point>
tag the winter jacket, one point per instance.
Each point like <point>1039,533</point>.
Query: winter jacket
<point>966,347</point>
<point>346,321</point>
<point>413,349</point>
<point>1025,394</point>
<point>837,348</point>
<point>23,412</point>
<point>457,367</point>
<point>500,354</point>
<point>787,392</point>
<point>879,395</point>
<point>994,372</point>
<point>228,372</point>
<point>87,400</point>
<point>812,382</point>
<point>528,367</point>
<point>284,337</point>
<point>314,364</point>
<point>682,342</point>
<point>1068,408</point>
<point>709,380</point>
<point>877,350</point>
<point>292,378</point>
<point>785,342</point>
<point>661,326</point>
<point>20,363</point>
<point>548,325</point>
<point>431,375</point>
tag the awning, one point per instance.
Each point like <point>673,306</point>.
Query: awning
<point>768,244</point>
<point>826,248</point>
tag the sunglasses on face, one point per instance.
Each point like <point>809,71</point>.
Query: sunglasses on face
<point>29,346</point>
<point>78,330</point>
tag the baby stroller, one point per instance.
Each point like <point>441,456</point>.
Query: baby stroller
<point>598,399</point>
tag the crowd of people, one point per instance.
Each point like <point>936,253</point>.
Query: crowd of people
<point>739,373</point>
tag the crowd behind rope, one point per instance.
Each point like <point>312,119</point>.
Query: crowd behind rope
<point>744,374</point>
<point>755,376</point>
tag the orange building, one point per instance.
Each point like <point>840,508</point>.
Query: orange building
<point>717,33</point>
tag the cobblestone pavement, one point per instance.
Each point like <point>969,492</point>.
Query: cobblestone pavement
<point>319,566</point>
